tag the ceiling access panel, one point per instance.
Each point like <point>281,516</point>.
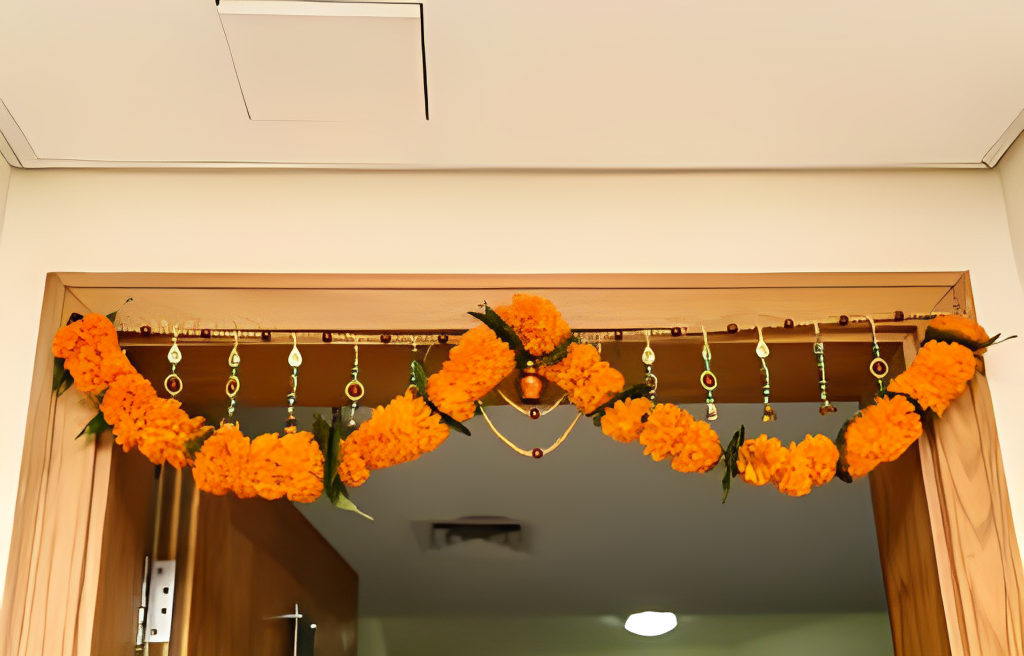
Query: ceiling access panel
<point>353,62</point>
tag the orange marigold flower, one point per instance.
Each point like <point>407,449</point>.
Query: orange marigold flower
<point>299,456</point>
<point>759,459</point>
<point>961,327</point>
<point>806,465</point>
<point>938,375</point>
<point>589,381</point>
<point>91,353</point>
<point>399,432</point>
<point>671,431</point>
<point>478,363</point>
<point>267,479</point>
<point>165,430</point>
<point>125,407</point>
<point>625,419</point>
<point>221,465</point>
<point>880,433</point>
<point>537,321</point>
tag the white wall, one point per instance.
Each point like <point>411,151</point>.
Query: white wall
<point>294,221</point>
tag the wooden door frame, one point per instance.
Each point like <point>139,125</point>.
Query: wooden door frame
<point>949,551</point>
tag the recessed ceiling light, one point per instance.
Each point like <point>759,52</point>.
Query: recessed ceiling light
<point>651,623</point>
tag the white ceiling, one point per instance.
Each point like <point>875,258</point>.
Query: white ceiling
<point>537,83</point>
<point>607,530</point>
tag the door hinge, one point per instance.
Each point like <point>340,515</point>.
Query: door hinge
<point>160,602</point>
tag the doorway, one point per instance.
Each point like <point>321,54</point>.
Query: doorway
<point>920,537</point>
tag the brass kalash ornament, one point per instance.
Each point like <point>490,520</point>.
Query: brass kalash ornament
<point>531,385</point>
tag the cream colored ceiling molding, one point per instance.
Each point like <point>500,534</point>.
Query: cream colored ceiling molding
<point>996,152</point>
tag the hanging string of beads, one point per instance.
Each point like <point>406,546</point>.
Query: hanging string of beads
<point>708,380</point>
<point>233,384</point>
<point>354,390</point>
<point>295,361</point>
<point>173,383</point>
<point>819,353</point>
<point>879,367</point>
<point>763,352</point>
<point>648,359</point>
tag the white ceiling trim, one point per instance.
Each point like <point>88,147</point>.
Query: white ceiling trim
<point>318,8</point>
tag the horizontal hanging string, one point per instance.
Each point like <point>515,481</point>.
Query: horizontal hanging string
<point>425,339</point>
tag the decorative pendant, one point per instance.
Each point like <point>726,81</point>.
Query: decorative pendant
<point>531,386</point>
<point>708,380</point>
<point>173,383</point>
<point>819,353</point>
<point>763,352</point>
<point>879,368</point>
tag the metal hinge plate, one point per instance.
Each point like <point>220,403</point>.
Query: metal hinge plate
<point>161,601</point>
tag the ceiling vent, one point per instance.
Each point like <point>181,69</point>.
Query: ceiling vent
<point>299,60</point>
<point>471,535</point>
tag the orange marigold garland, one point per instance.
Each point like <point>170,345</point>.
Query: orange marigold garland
<point>222,463</point>
<point>537,322</point>
<point>589,381</point>
<point>759,459</point>
<point>624,420</point>
<point>880,433</point>
<point>91,353</point>
<point>939,374</point>
<point>808,464</point>
<point>672,431</point>
<point>478,363</point>
<point>399,432</point>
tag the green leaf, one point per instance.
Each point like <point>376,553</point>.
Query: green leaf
<point>339,497</point>
<point>731,456</point>
<point>95,427</point>
<point>634,392</point>
<point>558,354</point>
<point>935,335</point>
<point>419,378</point>
<point>492,320</point>
<point>843,467</point>
<point>61,377</point>
<point>112,317</point>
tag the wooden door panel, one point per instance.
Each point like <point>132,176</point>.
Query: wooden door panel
<point>254,560</point>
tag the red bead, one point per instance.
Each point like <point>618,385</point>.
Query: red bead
<point>327,337</point>
<point>534,413</point>
<point>205,332</point>
<point>898,315</point>
<point>708,380</point>
<point>538,453</point>
<point>732,328</point>
<point>354,389</point>
<point>232,386</point>
<point>879,367</point>
<point>146,330</point>
<point>173,384</point>
<point>844,320</point>
<point>676,331</point>
<point>442,339</point>
<point>385,338</point>
<point>789,323</point>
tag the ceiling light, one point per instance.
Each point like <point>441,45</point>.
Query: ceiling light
<point>651,623</point>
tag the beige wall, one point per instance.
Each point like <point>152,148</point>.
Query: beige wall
<point>1011,173</point>
<point>302,221</point>
<point>5,179</point>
